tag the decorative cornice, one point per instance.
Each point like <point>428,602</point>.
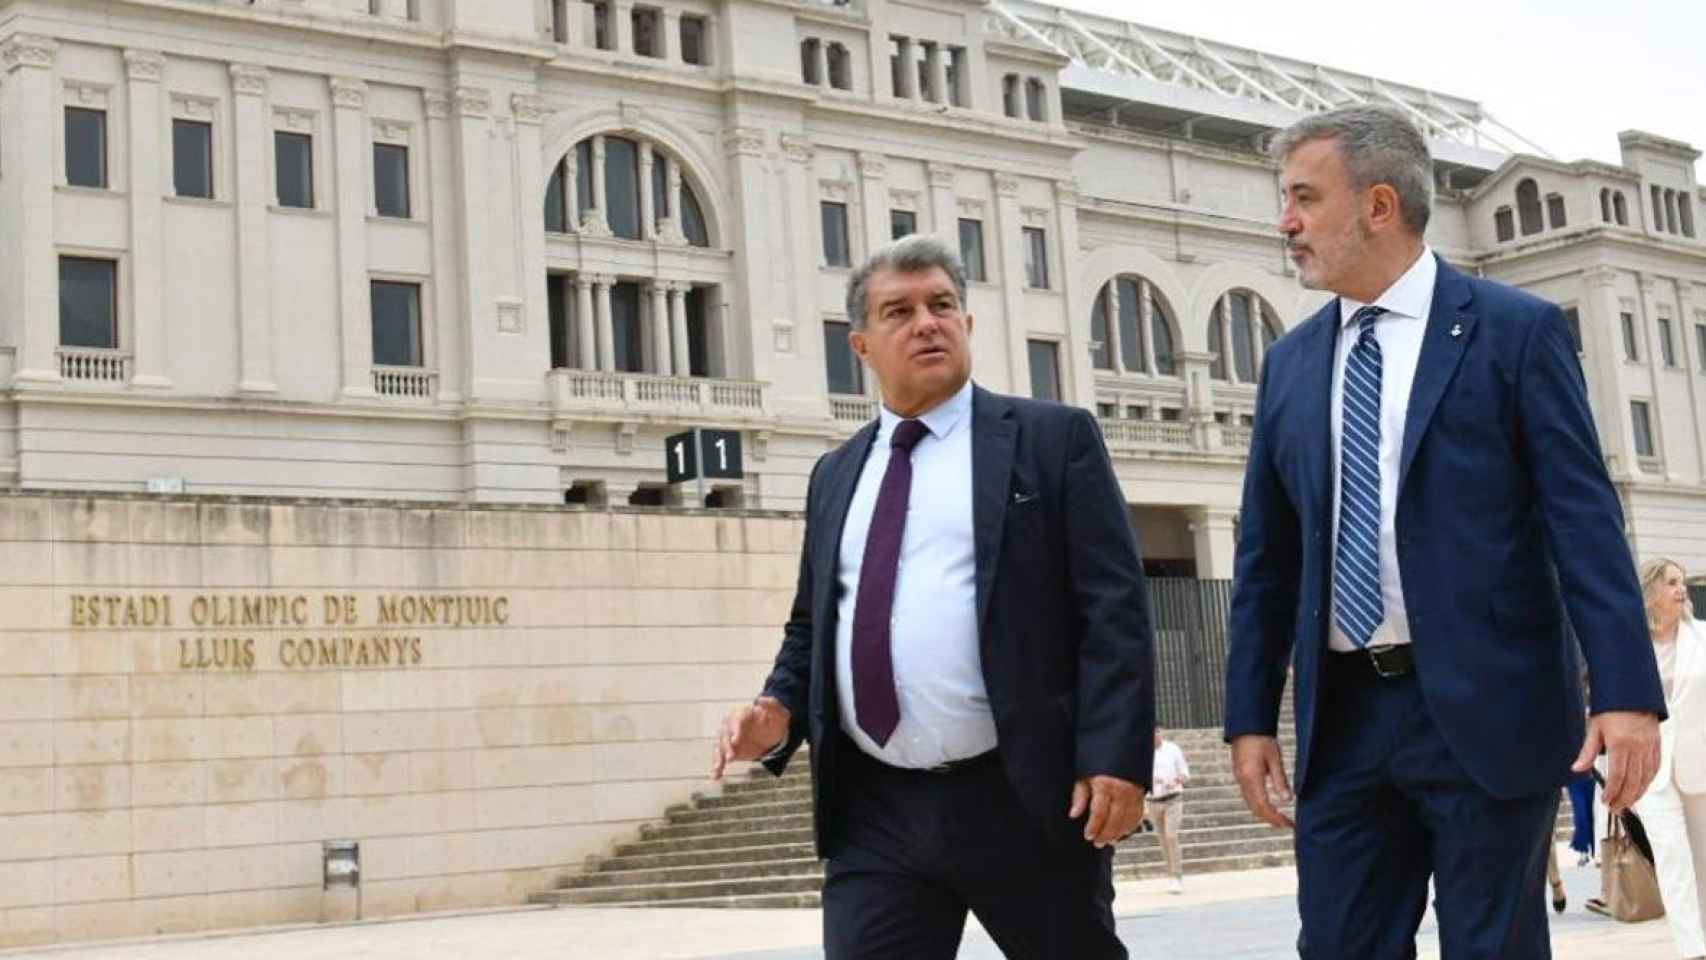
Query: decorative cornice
<point>971,207</point>
<point>942,175</point>
<point>300,121</point>
<point>249,80</point>
<point>87,94</point>
<point>473,101</point>
<point>437,104</point>
<point>348,93</point>
<point>743,142</point>
<point>391,130</point>
<point>904,200</point>
<point>798,148</point>
<point>1006,185</point>
<point>1066,192</point>
<point>144,65</point>
<point>873,166</point>
<point>836,190</point>
<point>28,50</point>
<point>1601,277</point>
<point>527,108</point>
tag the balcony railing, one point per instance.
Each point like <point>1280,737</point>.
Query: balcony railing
<point>94,365</point>
<point>852,409</point>
<point>643,392</point>
<point>1235,437</point>
<point>1163,434</point>
<point>415,383</point>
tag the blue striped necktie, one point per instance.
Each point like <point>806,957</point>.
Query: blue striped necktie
<point>1357,604</point>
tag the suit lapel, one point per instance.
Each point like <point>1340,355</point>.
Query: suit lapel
<point>826,551</point>
<point>1315,380</point>
<point>994,432</point>
<point>1450,330</point>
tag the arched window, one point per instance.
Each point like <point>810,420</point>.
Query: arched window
<point>1605,204</point>
<point>1133,328</point>
<point>1246,322</point>
<point>640,195</point>
<point>1620,208</point>
<point>1528,207</point>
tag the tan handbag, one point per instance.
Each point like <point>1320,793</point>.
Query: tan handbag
<point>1629,886</point>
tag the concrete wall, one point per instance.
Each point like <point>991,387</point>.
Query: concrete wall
<point>161,777</point>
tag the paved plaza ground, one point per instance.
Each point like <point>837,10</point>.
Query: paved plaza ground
<point>1236,916</point>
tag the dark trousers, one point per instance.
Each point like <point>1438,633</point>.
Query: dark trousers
<point>1386,806</point>
<point>915,851</point>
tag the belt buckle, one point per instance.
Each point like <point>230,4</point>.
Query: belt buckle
<point>1377,656</point>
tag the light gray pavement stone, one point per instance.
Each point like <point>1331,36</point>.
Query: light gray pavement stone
<point>1249,915</point>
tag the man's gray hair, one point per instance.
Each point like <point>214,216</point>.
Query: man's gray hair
<point>911,254</point>
<point>1379,145</point>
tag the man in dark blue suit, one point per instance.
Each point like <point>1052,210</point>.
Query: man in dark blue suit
<point>1425,508</point>
<point>968,651</point>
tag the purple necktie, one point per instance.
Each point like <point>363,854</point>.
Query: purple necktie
<point>874,698</point>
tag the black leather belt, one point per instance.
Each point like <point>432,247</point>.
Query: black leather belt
<point>1387,661</point>
<point>983,759</point>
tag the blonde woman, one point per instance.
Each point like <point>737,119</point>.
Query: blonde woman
<point>1674,806</point>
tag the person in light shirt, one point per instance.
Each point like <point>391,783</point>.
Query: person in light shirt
<point>1167,804</point>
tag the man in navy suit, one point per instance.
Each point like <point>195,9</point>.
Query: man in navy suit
<point>1425,508</point>
<point>968,651</point>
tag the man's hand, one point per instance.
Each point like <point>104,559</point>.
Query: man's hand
<point>1115,807</point>
<point>1260,770</point>
<point>1631,739</point>
<point>749,732</point>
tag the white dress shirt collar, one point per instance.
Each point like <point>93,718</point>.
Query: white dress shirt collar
<point>1409,295</point>
<point>940,420</point>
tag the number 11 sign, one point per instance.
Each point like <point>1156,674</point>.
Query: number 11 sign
<point>703,455</point>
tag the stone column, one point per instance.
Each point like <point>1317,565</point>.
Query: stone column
<point>354,154</point>
<point>571,189</point>
<point>606,325</point>
<point>595,222</point>
<point>1083,388</point>
<point>455,372</point>
<point>32,268</point>
<point>1213,528</point>
<point>874,199</point>
<point>255,195</point>
<point>1005,238</point>
<point>584,323</point>
<point>1146,326</point>
<point>678,324</point>
<point>529,113</point>
<point>761,279</point>
<point>661,363</point>
<point>147,221</point>
<point>1602,340</point>
<point>821,54</point>
<point>938,67</point>
<point>648,203</point>
<point>621,27</point>
<point>669,44</point>
<point>944,211</point>
<point>1228,352</point>
<point>1116,336</point>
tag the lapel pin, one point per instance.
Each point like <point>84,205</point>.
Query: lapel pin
<point>1457,330</point>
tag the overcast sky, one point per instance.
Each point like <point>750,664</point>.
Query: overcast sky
<point>1567,74</point>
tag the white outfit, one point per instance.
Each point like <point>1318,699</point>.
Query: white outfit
<point>1399,332</point>
<point>1674,807</point>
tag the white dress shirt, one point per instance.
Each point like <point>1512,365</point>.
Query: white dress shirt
<point>1170,772</point>
<point>938,668</point>
<point>1399,332</point>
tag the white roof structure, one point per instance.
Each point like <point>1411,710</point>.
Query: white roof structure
<point>1162,79</point>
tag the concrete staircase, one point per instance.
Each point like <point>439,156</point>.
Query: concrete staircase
<point>750,845</point>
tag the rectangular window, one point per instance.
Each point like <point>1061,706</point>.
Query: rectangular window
<point>559,295</point>
<point>559,21</point>
<point>556,199</point>
<point>693,40</point>
<point>1137,413</point>
<point>1700,344</point>
<point>1555,210</point>
<point>836,252</point>
<point>622,187</point>
<point>845,374</point>
<point>1667,350</point>
<point>1574,320</point>
<point>1106,411</point>
<point>957,76</point>
<point>391,180</point>
<point>1642,420</point>
<point>396,324</point>
<point>1504,224</point>
<point>1045,370</point>
<point>698,306</point>
<point>88,303</point>
<point>1631,346</point>
<point>902,223</point>
<point>646,23</point>
<point>293,159</point>
<point>1036,258</point>
<point>1243,345</point>
<point>192,158</point>
<point>85,147</point>
<point>601,26</point>
<point>1171,414</point>
<point>625,325</point>
<point>971,249</point>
